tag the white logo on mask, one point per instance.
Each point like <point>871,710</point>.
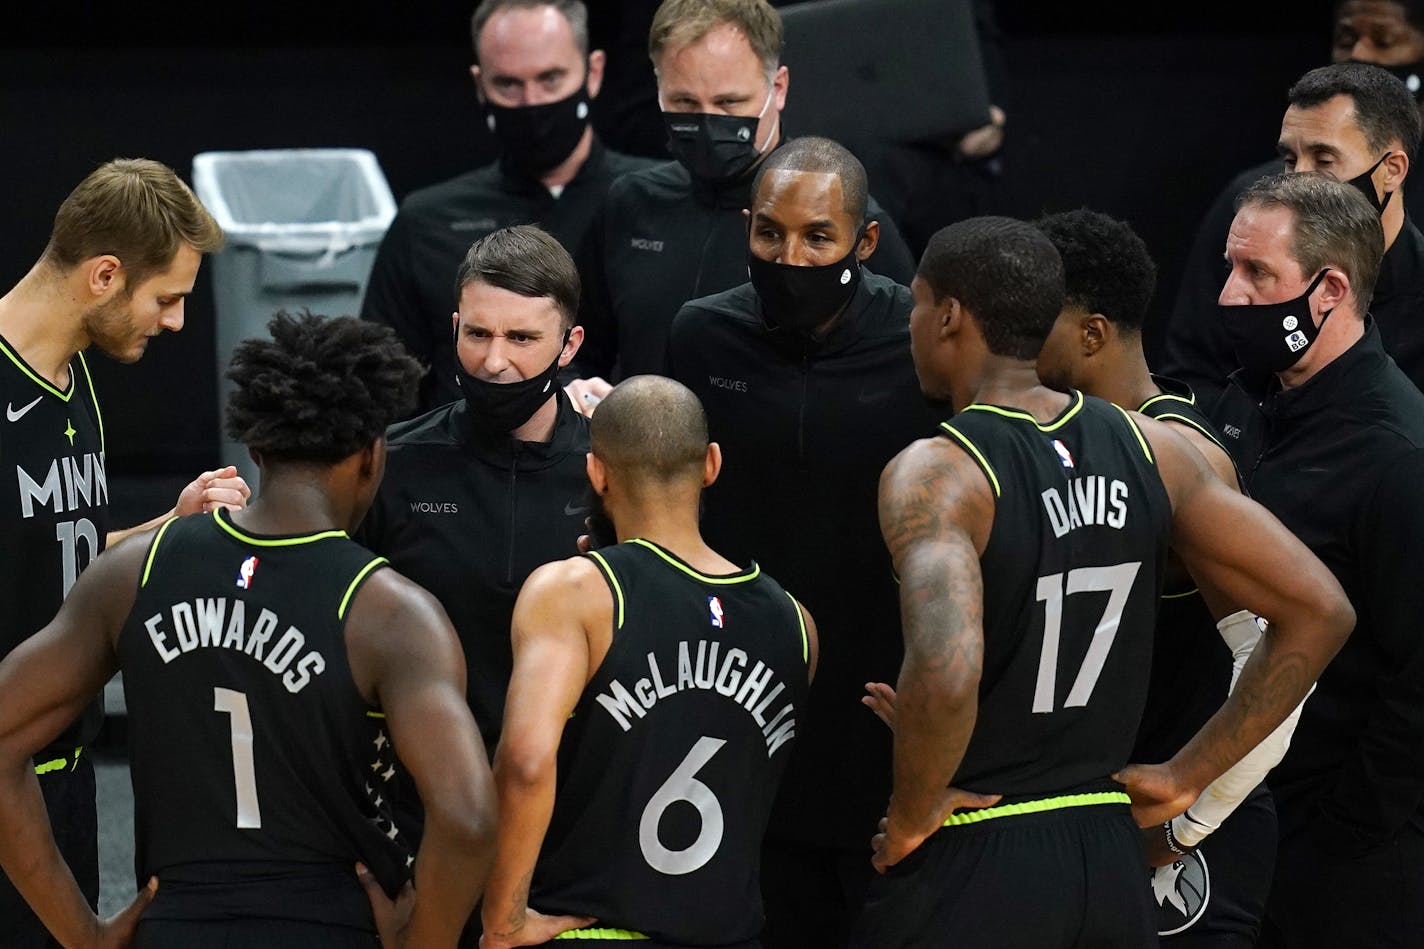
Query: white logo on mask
<point>1289,323</point>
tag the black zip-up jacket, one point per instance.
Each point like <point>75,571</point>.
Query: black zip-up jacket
<point>412,283</point>
<point>805,431</point>
<point>1197,350</point>
<point>1340,460</point>
<point>662,239</point>
<point>468,515</point>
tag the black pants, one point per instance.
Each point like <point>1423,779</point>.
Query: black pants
<point>1060,879</point>
<point>69,798</point>
<point>812,895</point>
<point>1373,900</point>
<point>1215,896</point>
<point>248,934</point>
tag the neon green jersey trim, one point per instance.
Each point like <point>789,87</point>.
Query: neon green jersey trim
<point>1169,396</point>
<point>40,381</point>
<point>59,764</point>
<point>355,582</point>
<point>1136,431</point>
<point>1035,807</point>
<point>724,581</point>
<point>375,714</point>
<point>1178,596</point>
<point>801,619</point>
<point>1173,416</point>
<point>1062,420</point>
<point>275,542</point>
<point>153,549</point>
<point>978,456</point>
<point>594,932</point>
<point>94,396</point>
<point>613,582</point>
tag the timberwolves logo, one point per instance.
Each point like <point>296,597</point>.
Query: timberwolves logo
<point>1182,889</point>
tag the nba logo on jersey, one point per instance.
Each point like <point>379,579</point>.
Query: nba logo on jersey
<point>1063,453</point>
<point>714,607</point>
<point>245,572</point>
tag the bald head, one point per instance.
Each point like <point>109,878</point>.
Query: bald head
<point>651,430</point>
<point>820,156</point>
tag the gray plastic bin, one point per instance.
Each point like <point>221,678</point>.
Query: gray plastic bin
<point>302,230</point>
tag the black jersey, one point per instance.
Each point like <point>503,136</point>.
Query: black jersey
<point>668,767</point>
<point>1191,665</point>
<point>254,757</point>
<point>1072,572</point>
<point>54,503</point>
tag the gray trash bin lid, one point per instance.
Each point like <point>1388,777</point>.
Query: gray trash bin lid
<point>296,200</point>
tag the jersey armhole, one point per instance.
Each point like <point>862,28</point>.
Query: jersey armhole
<point>801,624</point>
<point>974,452</point>
<point>1196,426</point>
<point>153,551</point>
<point>355,584</point>
<point>613,585</point>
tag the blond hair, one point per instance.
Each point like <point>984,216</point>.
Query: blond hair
<point>679,23</point>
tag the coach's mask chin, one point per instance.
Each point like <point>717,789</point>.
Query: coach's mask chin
<point>501,407</point>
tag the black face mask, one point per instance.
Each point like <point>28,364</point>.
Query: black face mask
<point>1411,74</point>
<point>1272,337</point>
<point>501,407</point>
<point>715,148</point>
<point>1367,187</point>
<point>799,299</point>
<point>536,138</point>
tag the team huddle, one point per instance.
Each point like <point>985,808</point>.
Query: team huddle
<point>861,610</point>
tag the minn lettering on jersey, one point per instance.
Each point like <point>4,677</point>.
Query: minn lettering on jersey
<point>222,623</point>
<point>753,690</point>
<point>69,484</point>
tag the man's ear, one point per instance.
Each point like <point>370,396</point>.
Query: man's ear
<point>596,62</point>
<point>597,473</point>
<point>1396,168</point>
<point>104,275</point>
<point>479,89</point>
<point>1094,332</point>
<point>1334,290</point>
<point>712,464</point>
<point>869,240</point>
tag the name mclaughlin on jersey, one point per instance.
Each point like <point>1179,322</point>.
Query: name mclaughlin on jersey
<point>1091,500</point>
<point>748,691</point>
<point>201,624</point>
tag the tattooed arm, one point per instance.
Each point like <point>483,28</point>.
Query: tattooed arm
<point>935,513</point>
<point>1238,549</point>
<point>560,632</point>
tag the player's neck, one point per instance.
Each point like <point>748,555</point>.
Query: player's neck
<point>1127,383</point>
<point>291,501</point>
<point>1013,383</point>
<point>1392,220</point>
<point>676,531</point>
<point>42,323</point>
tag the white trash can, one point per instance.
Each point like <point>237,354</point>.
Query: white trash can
<point>302,228</point>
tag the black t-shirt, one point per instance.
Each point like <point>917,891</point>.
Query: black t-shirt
<point>468,515</point>
<point>412,283</point>
<point>661,240</point>
<point>55,514</point>
<point>254,758</point>
<point>669,763</point>
<point>1191,665</point>
<point>1072,572</point>
<point>1339,460</point>
<point>806,430</point>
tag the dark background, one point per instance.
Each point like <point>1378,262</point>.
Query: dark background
<point>1144,115</point>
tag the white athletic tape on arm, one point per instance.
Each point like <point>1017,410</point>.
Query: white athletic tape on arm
<point>1241,632</point>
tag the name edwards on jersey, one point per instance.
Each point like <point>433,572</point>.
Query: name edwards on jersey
<point>727,677</point>
<point>221,623</point>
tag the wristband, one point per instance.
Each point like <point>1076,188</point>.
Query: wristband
<point>1171,838</point>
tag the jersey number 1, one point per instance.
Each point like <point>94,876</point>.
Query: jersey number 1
<point>1116,581</point>
<point>249,815</point>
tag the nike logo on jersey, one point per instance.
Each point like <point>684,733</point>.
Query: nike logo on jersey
<point>14,415</point>
<point>574,508</point>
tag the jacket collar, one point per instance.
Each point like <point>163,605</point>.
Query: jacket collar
<point>1342,377</point>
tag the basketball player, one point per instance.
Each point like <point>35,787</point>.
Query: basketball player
<point>662,685</point>
<point>269,663</point>
<point>121,257</point>
<point>1025,712</point>
<point>1096,346</point>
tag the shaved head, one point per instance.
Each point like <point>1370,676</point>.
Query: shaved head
<point>651,430</point>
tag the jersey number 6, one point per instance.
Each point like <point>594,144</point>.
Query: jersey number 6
<point>682,785</point>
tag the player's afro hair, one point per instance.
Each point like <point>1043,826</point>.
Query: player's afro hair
<point>320,389</point>
<point>1107,268</point>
